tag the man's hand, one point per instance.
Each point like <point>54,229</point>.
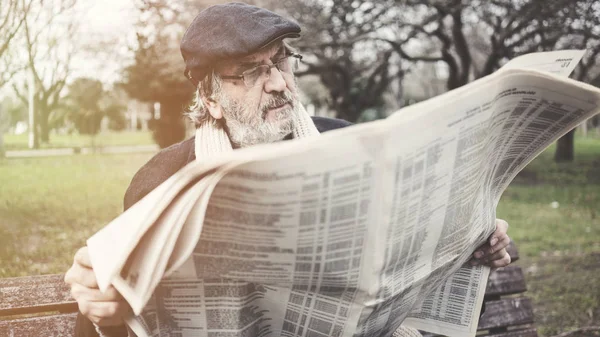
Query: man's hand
<point>493,253</point>
<point>103,309</point>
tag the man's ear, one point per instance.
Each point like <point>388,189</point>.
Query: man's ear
<point>214,108</point>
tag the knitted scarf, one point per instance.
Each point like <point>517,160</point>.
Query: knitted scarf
<point>212,140</point>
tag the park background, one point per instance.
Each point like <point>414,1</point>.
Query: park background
<point>90,90</point>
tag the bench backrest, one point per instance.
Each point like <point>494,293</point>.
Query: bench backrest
<point>43,306</point>
<point>36,306</point>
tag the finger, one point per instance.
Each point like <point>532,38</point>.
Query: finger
<point>501,228</point>
<point>505,261</point>
<point>496,256</point>
<point>82,275</point>
<point>107,322</point>
<point>104,313</point>
<point>484,252</point>
<point>83,258</point>
<point>481,251</point>
<point>80,292</point>
<point>503,242</point>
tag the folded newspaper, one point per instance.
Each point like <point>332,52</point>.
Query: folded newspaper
<point>356,232</point>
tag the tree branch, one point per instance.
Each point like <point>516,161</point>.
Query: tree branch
<point>461,46</point>
<point>398,49</point>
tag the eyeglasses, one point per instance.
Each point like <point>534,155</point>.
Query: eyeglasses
<point>254,76</point>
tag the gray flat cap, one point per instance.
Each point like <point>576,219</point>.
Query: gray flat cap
<point>229,31</point>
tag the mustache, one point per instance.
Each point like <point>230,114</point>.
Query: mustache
<point>278,99</point>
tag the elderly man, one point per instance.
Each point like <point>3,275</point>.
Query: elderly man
<point>246,94</point>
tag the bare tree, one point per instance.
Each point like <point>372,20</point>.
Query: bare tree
<point>582,32</point>
<point>12,17</point>
<point>4,121</point>
<point>339,49</point>
<point>474,38</point>
<point>48,30</point>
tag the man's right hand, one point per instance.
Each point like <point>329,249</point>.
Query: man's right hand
<point>103,309</point>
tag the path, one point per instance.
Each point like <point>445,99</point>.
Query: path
<point>84,150</point>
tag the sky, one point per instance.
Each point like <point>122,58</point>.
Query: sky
<point>111,16</point>
<point>107,29</point>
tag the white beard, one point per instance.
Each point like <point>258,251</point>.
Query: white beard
<point>247,128</point>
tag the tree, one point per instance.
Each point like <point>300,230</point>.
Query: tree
<point>583,32</point>
<point>48,56</point>
<point>113,104</point>
<point>474,38</point>
<point>335,38</point>
<point>4,122</point>
<point>165,84</point>
<point>157,72</point>
<point>83,105</point>
<point>12,17</point>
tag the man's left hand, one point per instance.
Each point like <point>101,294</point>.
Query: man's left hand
<point>493,253</point>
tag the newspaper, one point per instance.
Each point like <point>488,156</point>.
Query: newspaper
<point>356,232</point>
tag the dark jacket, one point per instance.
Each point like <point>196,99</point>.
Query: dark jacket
<point>153,173</point>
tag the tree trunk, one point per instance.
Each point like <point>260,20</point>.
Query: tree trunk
<point>170,128</point>
<point>32,106</point>
<point>2,152</point>
<point>3,128</point>
<point>43,125</point>
<point>584,128</point>
<point>565,148</point>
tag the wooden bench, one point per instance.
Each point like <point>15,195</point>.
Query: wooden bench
<point>36,306</point>
<point>507,312</point>
<point>50,311</point>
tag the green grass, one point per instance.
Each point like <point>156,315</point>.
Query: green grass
<point>565,291</point>
<point>50,206</point>
<point>559,246</point>
<point>110,138</point>
<point>572,224</point>
<point>559,250</point>
<point>538,228</point>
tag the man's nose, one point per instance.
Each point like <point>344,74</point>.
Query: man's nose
<point>275,82</point>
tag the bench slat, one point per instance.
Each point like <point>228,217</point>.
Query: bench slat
<point>506,312</point>
<point>530,332</point>
<point>22,295</point>
<point>506,281</point>
<point>47,326</point>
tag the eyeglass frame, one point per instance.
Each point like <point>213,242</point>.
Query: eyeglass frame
<point>297,56</point>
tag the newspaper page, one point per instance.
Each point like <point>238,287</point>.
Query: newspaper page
<point>453,309</point>
<point>126,231</point>
<point>346,233</point>
<point>258,248</point>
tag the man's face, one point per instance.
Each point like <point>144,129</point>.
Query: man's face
<point>262,113</point>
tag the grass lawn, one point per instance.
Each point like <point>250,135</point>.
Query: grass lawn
<point>554,213</point>
<point>109,138</point>
<point>49,206</point>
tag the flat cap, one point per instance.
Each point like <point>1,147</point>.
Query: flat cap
<point>229,31</point>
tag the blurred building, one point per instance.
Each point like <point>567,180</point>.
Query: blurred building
<point>140,115</point>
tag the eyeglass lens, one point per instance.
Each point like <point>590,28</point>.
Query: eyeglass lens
<point>288,65</point>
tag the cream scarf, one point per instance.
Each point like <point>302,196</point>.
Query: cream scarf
<point>212,140</point>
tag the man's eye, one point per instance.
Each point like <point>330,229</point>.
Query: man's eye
<point>250,70</point>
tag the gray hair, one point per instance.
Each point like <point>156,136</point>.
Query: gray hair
<point>209,87</point>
